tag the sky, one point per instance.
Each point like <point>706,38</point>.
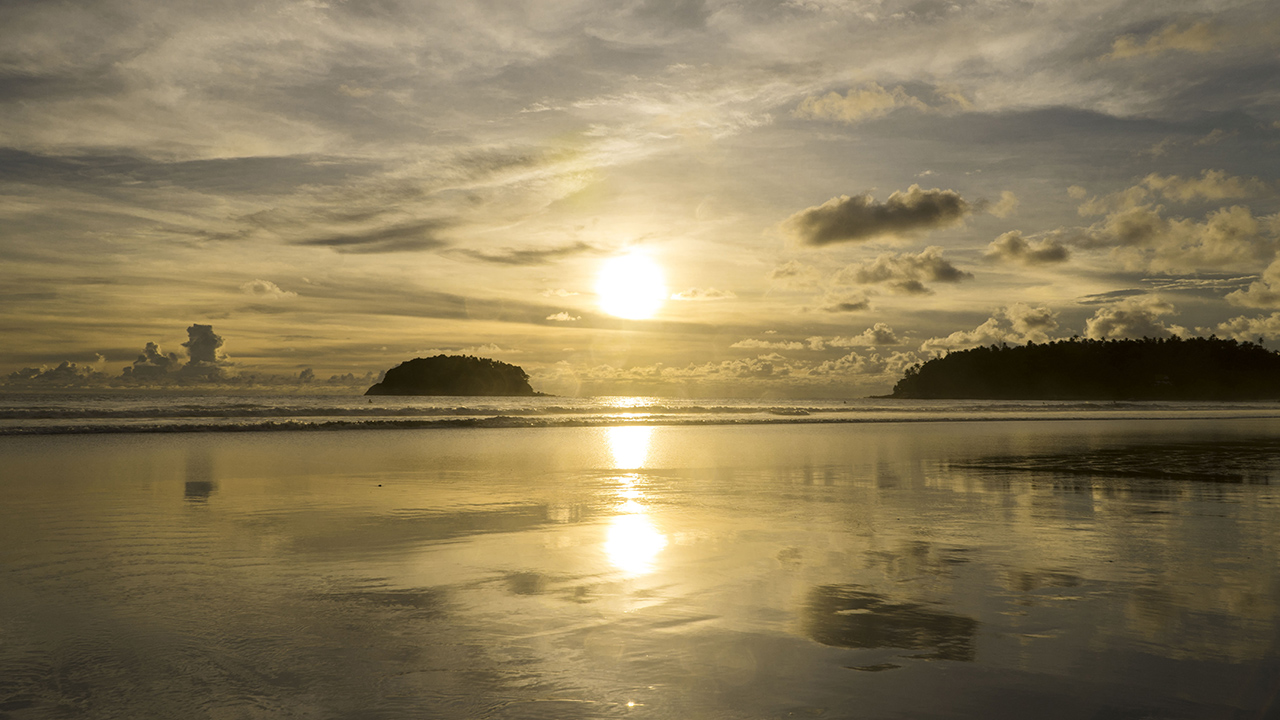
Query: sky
<point>301,195</point>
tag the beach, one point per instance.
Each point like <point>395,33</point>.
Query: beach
<point>1091,567</point>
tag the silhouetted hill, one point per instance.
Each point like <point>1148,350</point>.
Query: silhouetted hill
<point>1146,369</point>
<point>453,375</point>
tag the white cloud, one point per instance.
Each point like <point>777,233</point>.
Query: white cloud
<point>1247,328</point>
<point>1013,247</point>
<point>563,317</point>
<point>266,289</point>
<point>1261,293</point>
<point>1006,206</point>
<point>752,343</point>
<point>1017,323</point>
<point>1211,185</point>
<point>878,334</point>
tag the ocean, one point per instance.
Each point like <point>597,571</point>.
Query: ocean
<point>637,558</point>
<point>73,413</point>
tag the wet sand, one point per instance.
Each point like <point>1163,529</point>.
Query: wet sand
<point>1035,569</point>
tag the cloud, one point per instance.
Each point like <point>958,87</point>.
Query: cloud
<point>1017,323</point>
<point>204,362</point>
<point>557,292</point>
<point>1216,136</point>
<point>1006,206</point>
<point>794,272</point>
<point>1142,237</point>
<point>563,317</point>
<point>266,289</point>
<point>1247,328</point>
<point>152,364</point>
<point>860,218</point>
<point>202,344</point>
<point>878,334</point>
<point>1013,247</point>
<point>1132,318</point>
<point>1261,293</point>
<point>65,374</point>
<point>401,238</point>
<point>905,272</point>
<point>1199,37</point>
<point>855,364</point>
<point>752,343</point>
<point>869,101</point>
<point>490,349</point>
<point>842,303</point>
<point>704,294</point>
<point>1211,185</point>
<point>532,256</point>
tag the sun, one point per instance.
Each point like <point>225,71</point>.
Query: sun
<point>631,286</point>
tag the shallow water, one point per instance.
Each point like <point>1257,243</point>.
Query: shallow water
<point>988,569</point>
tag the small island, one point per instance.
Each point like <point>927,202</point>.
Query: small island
<point>1076,369</point>
<point>454,375</point>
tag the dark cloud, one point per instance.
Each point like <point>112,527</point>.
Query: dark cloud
<point>152,364</point>
<point>846,305</point>
<point>66,374</point>
<point>400,238</point>
<point>905,273</point>
<point>1132,318</point>
<point>847,219</point>
<point>202,344</point>
<point>1013,247</point>
<point>532,256</point>
<point>204,362</point>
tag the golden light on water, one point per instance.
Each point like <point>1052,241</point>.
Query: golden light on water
<point>631,286</point>
<point>633,542</point>
<point>629,446</point>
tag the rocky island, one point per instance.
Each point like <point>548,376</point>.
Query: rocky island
<point>454,375</point>
<point>1146,369</point>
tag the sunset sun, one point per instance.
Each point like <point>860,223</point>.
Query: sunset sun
<point>631,286</point>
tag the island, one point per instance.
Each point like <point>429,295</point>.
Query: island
<point>1080,369</point>
<point>454,375</point>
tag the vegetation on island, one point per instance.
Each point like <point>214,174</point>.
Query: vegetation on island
<point>454,375</point>
<point>1076,369</point>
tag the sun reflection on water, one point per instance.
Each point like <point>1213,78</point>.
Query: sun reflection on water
<point>629,446</point>
<point>633,543</point>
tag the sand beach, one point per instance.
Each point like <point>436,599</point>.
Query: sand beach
<point>1088,568</point>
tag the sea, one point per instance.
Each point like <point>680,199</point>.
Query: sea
<point>206,556</point>
<point>86,413</point>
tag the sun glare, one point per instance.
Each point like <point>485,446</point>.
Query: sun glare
<point>631,287</point>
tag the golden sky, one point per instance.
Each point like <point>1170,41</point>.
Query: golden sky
<point>809,196</point>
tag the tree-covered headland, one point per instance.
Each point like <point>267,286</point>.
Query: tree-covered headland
<point>1077,369</point>
<point>454,375</point>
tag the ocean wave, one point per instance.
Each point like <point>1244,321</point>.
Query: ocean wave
<point>240,424</point>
